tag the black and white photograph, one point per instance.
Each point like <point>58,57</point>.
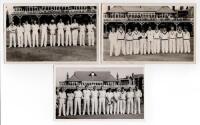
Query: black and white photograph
<point>51,32</point>
<point>148,33</point>
<point>99,92</point>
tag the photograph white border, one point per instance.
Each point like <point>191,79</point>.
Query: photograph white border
<point>95,66</point>
<point>98,11</point>
<point>147,62</point>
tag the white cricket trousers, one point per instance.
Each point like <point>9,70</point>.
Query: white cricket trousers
<point>43,39</point>
<point>153,47</point>
<point>116,107</point>
<point>143,46</point>
<point>109,108</point>
<point>35,38</point>
<point>122,106</point>
<point>129,47</point>
<point>130,105</point>
<point>20,39</point>
<point>157,45</point>
<point>172,45</point>
<point>77,104</point>
<point>27,38</point>
<point>82,38</point>
<point>69,107</point>
<point>165,46</point>
<point>52,40</point>
<point>74,37</point>
<point>137,105</point>
<point>186,45</point>
<point>86,104</point>
<point>68,38</point>
<point>102,104</point>
<point>12,39</point>
<point>61,107</point>
<point>148,46</point>
<point>113,47</point>
<point>121,47</point>
<point>136,47</point>
<point>91,38</point>
<point>60,36</point>
<point>179,46</point>
<point>94,102</point>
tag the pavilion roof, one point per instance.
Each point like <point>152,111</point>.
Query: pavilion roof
<point>158,9</point>
<point>92,76</point>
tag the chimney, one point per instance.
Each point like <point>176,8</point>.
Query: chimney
<point>117,76</point>
<point>67,76</point>
<point>108,7</point>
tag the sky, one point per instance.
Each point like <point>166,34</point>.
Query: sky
<point>61,72</point>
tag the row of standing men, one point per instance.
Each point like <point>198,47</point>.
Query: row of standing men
<point>71,32</point>
<point>118,101</point>
<point>149,42</point>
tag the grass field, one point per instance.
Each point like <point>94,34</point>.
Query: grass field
<point>61,54</point>
<point>119,116</point>
<point>156,57</point>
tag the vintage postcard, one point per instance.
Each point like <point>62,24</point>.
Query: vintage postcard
<point>58,33</point>
<point>98,92</point>
<point>148,33</point>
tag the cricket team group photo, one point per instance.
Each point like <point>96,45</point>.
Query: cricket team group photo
<point>148,33</point>
<point>97,93</point>
<point>69,32</point>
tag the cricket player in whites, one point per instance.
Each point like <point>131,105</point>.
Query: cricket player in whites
<point>143,42</point>
<point>172,40</point>
<point>116,97</point>
<point>102,96</point>
<point>68,34</point>
<point>62,99</point>
<point>129,42</point>
<point>109,98</point>
<point>20,36</point>
<point>150,43</point>
<point>70,98</point>
<point>77,101</point>
<point>121,45</point>
<point>137,96</point>
<point>12,34</point>
<point>27,34</point>
<point>86,100</point>
<point>91,27</point>
<point>113,42</point>
<point>136,46</point>
<point>156,39</point>
<point>43,29</point>
<point>35,28</point>
<point>94,100</point>
<point>82,34</point>
<point>123,101</point>
<point>52,27</point>
<point>130,95</point>
<point>186,40</point>
<point>60,33</point>
<point>165,40</point>
<point>179,38</point>
<point>74,27</point>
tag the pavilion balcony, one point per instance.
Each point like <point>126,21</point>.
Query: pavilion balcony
<point>148,19</point>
